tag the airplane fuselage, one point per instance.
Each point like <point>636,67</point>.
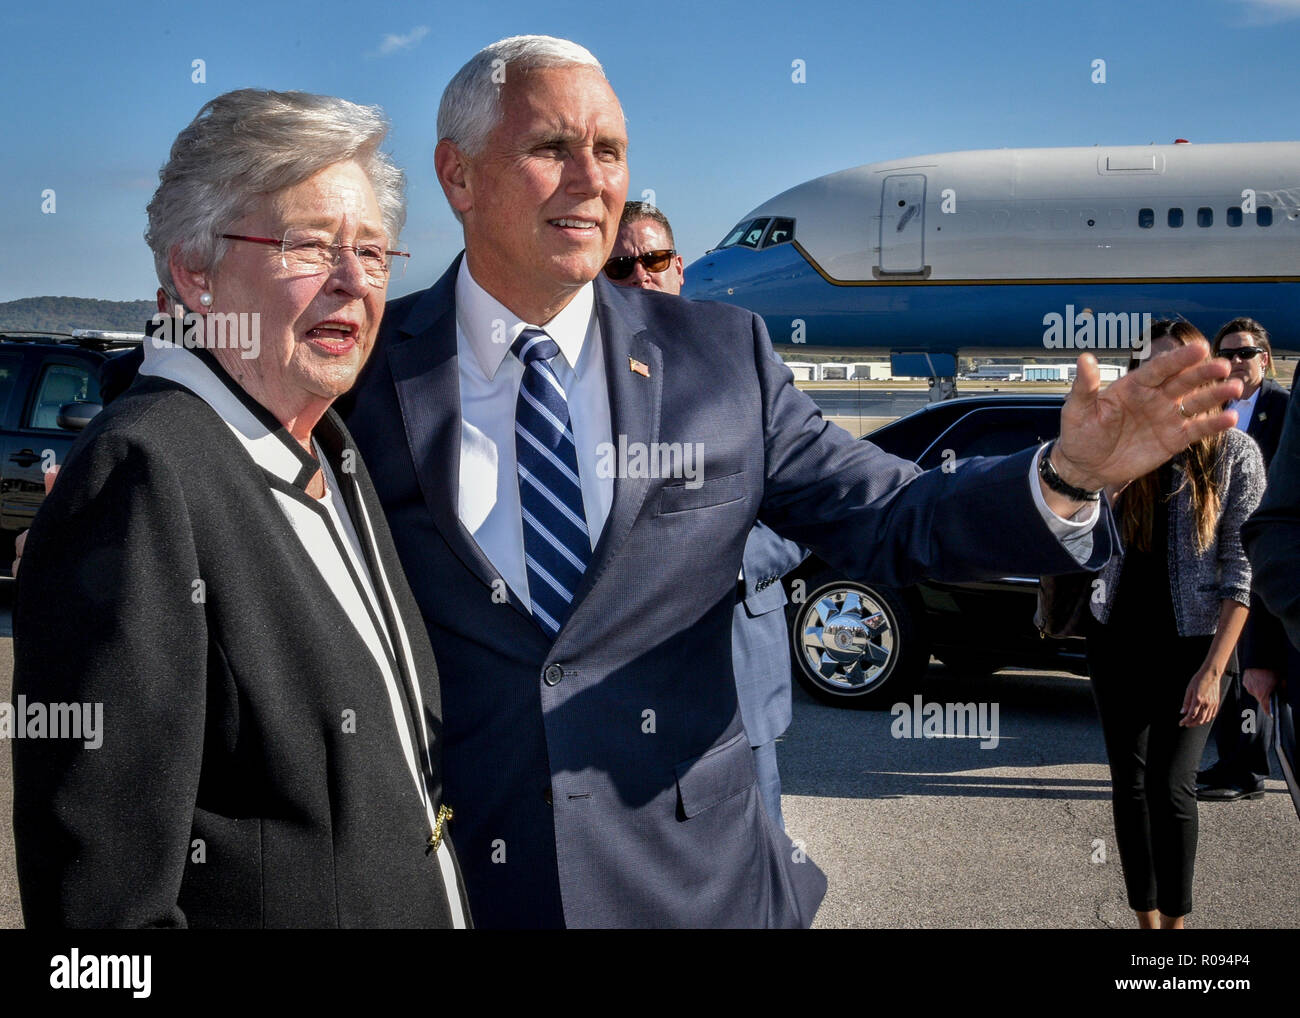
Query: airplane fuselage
<point>1015,250</point>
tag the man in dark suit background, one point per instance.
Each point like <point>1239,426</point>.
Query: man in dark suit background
<point>599,771</point>
<point>645,256</point>
<point>1243,733</point>
<point>1272,541</point>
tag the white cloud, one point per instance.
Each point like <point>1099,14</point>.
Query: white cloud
<point>394,43</point>
<point>1270,12</point>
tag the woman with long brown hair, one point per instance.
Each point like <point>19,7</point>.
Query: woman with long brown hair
<point>1169,609</point>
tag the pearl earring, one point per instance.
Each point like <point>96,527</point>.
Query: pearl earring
<point>205,299</point>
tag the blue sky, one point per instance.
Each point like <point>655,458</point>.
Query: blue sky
<point>95,93</point>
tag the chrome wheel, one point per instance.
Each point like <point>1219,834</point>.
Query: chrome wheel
<point>846,639</point>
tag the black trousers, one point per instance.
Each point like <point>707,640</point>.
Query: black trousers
<point>1139,682</point>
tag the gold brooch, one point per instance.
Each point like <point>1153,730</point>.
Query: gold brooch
<point>435,839</point>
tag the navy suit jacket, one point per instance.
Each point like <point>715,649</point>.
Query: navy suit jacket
<point>604,778</point>
<point>1269,416</point>
<point>1263,643</point>
<point>1272,540</point>
<point>760,638</point>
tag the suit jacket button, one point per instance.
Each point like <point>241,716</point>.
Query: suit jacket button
<point>552,675</point>
<point>547,795</point>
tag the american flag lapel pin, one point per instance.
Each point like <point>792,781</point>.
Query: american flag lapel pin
<point>640,367</point>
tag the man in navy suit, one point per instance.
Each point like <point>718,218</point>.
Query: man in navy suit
<point>1272,540</point>
<point>1242,732</point>
<point>645,256</point>
<point>595,755</point>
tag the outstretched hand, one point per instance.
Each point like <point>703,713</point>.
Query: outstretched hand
<point>1111,436</point>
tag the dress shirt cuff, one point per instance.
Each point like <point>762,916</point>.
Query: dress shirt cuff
<point>1075,533</point>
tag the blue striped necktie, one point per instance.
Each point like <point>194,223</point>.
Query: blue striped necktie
<point>557,545</point>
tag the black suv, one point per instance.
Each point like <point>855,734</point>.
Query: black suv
<point>49,390</point>
<point>861,645</point>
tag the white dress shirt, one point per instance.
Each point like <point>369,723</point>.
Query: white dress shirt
<point>1245,409</point>
<point>490,375</point>
<point>488,499</point>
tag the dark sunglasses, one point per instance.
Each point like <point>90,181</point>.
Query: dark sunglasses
<point>654,261</point>
<point>1244,352</point>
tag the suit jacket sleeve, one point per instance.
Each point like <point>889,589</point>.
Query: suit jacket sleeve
<point>1272,534</point>
<point>880,517</point>
<point>1263,641</point>
<point>106,613</point>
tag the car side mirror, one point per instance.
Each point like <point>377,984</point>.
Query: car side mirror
<point>75,416</point>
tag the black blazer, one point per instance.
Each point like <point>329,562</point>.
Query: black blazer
<point>163,580</point>
<point>1272,540</point>
<point>579,808</point>
<point>1269,416</point>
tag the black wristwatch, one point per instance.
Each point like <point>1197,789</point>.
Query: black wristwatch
<point>1053,480</point>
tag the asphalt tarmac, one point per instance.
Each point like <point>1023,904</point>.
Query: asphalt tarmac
<point>939,833</point>
<point>917,833</point>
<point>855,402</point>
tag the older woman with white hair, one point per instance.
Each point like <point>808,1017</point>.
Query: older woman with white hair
<point>213,573</point>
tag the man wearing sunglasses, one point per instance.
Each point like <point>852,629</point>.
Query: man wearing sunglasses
<point>1243,762</point>
<point>1243,343</point>
<point>644,256</point>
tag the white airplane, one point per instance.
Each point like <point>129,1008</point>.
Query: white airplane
<point>1003,251</point>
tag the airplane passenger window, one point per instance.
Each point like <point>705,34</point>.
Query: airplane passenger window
<point>1146,218</point>
<point>1264,215</point>
<point>1175,218</point>
<point>1234,216</point>
<point>754,234</point>
<point>781,232</point>
<point>737,232</point>
<point>1204,216</point>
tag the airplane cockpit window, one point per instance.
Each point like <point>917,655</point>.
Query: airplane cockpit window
<point>1175,218</point>
<point>1264,215</point>
<point>1234,216</point>
<point>1146,218</point>
<point>782,232</point>
<point>754,234</point>
<point>1204,216</point>
<point>738,231</point>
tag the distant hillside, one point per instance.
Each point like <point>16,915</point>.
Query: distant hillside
<point>63,314</point>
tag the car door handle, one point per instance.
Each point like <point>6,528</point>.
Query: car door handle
<point>25,458</point>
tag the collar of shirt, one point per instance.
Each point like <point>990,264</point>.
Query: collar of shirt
<point>267,441</point>
<point>491,328</point>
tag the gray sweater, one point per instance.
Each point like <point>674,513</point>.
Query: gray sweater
<point>1199,582</point>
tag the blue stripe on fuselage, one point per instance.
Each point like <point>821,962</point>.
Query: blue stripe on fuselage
<point>782,287</point>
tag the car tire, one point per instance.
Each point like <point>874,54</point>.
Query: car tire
<point>855,645</point>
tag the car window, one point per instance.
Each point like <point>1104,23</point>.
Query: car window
<point>10,364</point>
<point>60,384</point>
<point>993,431</point>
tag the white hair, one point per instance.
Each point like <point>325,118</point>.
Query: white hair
<point>471,103</point>
<point>250,143</point>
